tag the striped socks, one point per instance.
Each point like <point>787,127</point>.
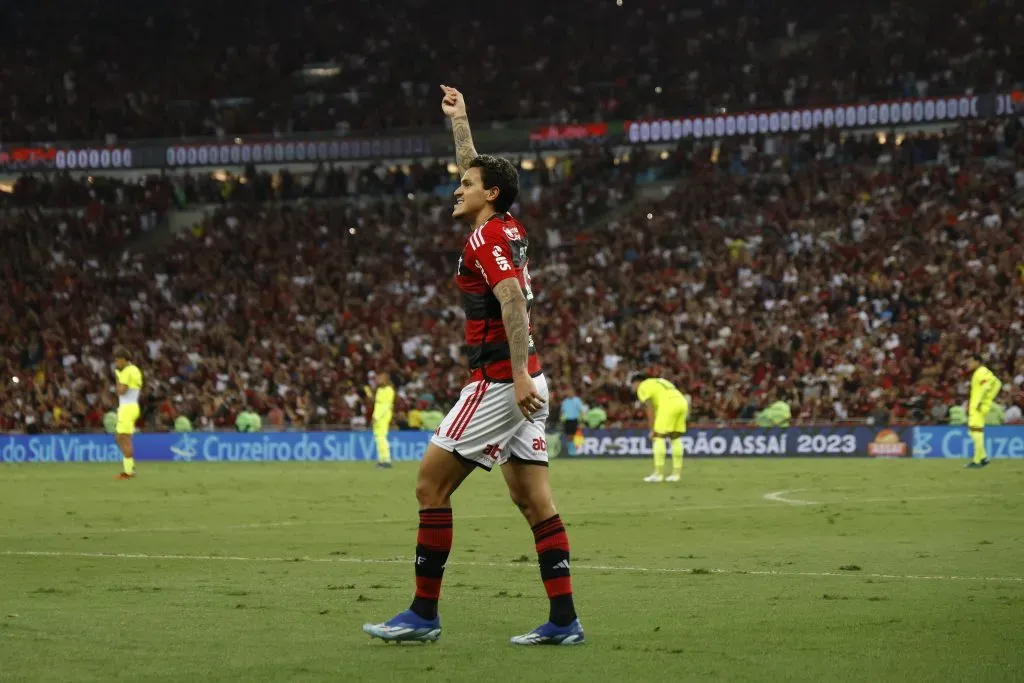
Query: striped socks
<point>433,543</point>
<point>553,556</point>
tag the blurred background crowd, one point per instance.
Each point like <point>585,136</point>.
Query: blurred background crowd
<point>86,69</point>
<point>845,274</point>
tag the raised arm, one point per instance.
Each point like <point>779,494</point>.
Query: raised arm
<point>454,107</point>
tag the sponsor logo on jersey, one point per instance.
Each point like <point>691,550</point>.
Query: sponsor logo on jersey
<point>499,258</point>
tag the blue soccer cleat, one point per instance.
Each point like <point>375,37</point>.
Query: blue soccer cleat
<point>549,634</point>
<point>406,626</point>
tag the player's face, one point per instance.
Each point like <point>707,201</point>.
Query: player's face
<point>120,363</point>
<point>470,197</point>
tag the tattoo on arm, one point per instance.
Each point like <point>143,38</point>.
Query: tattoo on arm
<point>465,152</point>
<point>517,321</point>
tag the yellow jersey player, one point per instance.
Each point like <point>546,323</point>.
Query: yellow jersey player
<point>383,411</point>
<point>985,386</point>
<point>667,410</point>
<point>129,385</point>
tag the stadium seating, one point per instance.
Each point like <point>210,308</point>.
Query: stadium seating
<point>86,70</point>
<point>851,276</point>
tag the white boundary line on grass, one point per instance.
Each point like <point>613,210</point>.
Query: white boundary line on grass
<point>780,497</point>
<point>529,565</point>
<point>770,498</point>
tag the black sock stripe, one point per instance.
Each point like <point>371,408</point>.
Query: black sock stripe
<point>433,563</point>
<point>550,524</point>
<point>542,523</point>
<point>553,556</point>
<point>548,534</point>
<point>563,612</point>
<point>448,510</point>
<point>435,526</point>
<point>548,561</point>
<point>427,551</point>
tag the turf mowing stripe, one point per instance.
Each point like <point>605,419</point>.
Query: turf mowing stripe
<point>530,565</point>
<point>769,502</point>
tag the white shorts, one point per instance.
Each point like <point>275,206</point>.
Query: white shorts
<point>486,427</point>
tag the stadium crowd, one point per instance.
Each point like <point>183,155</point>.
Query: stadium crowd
<point>85,69</point>
<point>844,276</point>
<point>163,191</point>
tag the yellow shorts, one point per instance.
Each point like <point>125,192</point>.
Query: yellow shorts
<point>671,418</point>
<point>127,415</point>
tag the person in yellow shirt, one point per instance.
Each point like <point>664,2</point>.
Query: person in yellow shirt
<point>383,411</point>
<point>736,245</point>
<point>985,386</point>
<point>129,386</point>
<point>416,416</point>
<point>667,410</point>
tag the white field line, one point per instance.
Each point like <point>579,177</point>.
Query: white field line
<point>776,497</point>
<point>780,497</point>
<point>528,565</point>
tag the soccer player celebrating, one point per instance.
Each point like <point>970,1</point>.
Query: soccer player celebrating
<point>129,385</point>
<point>499,418</point>
<point>667,410</point>
<point>985,387</point>
<point>383,410</point>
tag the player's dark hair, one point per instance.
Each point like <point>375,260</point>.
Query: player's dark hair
<point>638,377</point>
<point>121,352</point>
<point>977,357</point>
<point>499,173</point>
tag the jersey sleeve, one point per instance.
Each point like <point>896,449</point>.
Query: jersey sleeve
<point>135,378</point>
<point>994,390</point>
<point>492,256</point>
<point>645,391</point>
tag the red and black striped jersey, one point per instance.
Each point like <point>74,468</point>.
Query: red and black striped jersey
<point>495,251</point>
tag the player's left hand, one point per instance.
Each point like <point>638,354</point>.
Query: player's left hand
<point>652,435</point>
<point>528,398</point>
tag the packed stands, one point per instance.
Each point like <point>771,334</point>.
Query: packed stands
<point>90,70</point>
<point>295,287</point>
<point>848,274</point>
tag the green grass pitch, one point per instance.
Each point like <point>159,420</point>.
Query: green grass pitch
<point>748,570</point>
